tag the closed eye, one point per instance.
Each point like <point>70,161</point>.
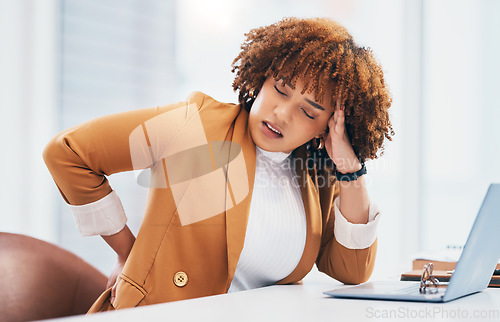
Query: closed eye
<point>305,112</point>
<point>277,90</point>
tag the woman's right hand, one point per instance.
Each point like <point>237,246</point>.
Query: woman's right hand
<point>121,243</point>
<point>113,278</point>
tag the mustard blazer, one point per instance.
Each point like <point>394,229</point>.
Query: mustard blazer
<point>204,252</point>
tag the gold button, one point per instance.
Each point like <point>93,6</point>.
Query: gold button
<point>180,279</point>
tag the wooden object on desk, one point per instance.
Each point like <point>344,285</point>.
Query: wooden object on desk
<point>418,264</point>
<point>442,270</point>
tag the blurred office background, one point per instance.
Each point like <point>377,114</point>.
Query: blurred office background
<point>63,62</point>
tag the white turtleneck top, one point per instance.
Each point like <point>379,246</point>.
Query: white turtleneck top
<point>276,230</point>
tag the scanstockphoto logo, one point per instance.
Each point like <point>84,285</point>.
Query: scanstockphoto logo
<point>171,150</point>
<point>433,312</point>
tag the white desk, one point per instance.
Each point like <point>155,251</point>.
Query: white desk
<point>305,302</point>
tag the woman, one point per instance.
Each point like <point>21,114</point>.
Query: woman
<point>240,196</point>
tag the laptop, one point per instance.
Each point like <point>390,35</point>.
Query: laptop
<point>472,273</point>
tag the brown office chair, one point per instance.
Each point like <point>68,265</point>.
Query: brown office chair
<point>39,280</point>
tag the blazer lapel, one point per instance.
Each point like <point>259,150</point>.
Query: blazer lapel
<point>240,191</point>
<point>312,208</point>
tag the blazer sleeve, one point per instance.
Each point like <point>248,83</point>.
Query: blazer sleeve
<point>349,266</point>
<point>80,158</point>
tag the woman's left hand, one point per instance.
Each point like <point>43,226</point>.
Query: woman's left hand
<point>337,142</point>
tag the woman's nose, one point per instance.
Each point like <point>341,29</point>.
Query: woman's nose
<point>283,112</point>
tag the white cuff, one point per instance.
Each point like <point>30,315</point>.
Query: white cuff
<point>355,236</point>
<point>102,217</point>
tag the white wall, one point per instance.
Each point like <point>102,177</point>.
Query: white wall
<point>29,73</point>
<point>461,112</point>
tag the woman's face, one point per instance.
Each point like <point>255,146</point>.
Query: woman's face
<point>282,119</point>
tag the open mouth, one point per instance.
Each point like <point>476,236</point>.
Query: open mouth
<point>272,130</point>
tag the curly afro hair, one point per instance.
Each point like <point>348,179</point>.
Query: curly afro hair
<point>322,54</point>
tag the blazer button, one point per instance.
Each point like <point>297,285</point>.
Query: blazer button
<point>180,279</point>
